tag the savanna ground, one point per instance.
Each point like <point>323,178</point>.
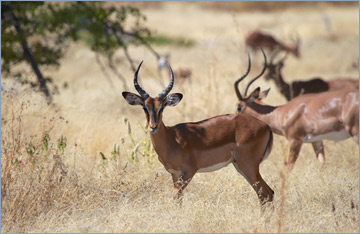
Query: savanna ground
<point>54,174</point>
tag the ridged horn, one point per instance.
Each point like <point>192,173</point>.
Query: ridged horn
<point>236,84</point>
<point>166,91</point>
<point>285,56</point>
<point>275,54</point>
<point>142,92</point>
<point>256,77</point>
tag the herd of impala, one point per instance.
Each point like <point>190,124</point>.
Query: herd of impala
<point>316,110</point>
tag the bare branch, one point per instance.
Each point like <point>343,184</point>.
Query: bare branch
<point>103,69</point>
<point>116,72</point>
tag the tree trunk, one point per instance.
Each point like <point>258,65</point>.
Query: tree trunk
<point>27,53</point>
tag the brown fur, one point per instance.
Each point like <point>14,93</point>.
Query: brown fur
<point>208,145</point>
<point>315,85</point>
<point>258,39</point>
<point>308,115</point>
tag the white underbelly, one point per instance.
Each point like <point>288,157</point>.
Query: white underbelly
<point>174,172</point>
<point>216,166</point>
<point>334,136</point>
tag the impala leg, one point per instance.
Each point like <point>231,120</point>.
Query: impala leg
<point>356,137</point>
<point>295,147</point>
<point>180,183</point>
<point>319,151</point>
<point>252,175</point>
<point>354,132</point>
<point>246,161</point>
<point>352,125</point>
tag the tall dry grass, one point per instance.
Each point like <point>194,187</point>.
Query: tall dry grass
<point>86,163</point>
<point>48,190</point>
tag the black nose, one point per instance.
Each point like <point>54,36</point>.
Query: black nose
<point>153,129</point>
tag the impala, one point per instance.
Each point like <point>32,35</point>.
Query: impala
<point>180,73</point>
<point>205,146</point>
<point>310,118</point>
<point>296,88</point>
<point>257,40</point>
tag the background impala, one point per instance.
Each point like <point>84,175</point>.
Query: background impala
<point>311,118</point>
<point>258,39</point>
<point>181,73</point>
<point>296,88</point>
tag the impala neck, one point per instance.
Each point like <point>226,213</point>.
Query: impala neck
<point>265,113</point>
<point>163,141</point>
<point>290,48</point>
<point>284,87</point>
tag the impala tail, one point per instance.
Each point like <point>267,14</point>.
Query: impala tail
<point>269,145</point>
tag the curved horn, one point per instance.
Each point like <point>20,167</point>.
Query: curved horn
<point>256,77</point>
<point>236,84</point>
<point>142,92</point>
<point>281,60</point>
<point>163,94</point>
<point>274,55</point>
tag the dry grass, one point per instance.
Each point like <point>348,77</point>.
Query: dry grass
<point>70,188</point>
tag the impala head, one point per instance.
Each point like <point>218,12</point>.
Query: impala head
<point>153,107</point>
<point>274,69</point>
<point>295,47</point>
<point>256,95</point>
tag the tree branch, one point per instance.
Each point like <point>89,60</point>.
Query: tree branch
<point>117,34</point>
<point>107,76</point>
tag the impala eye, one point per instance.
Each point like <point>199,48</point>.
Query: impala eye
<point>239,108</point>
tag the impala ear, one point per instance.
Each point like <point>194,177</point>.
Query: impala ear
<point>133,99</point>
<point>173,99</point>
<point>263,94</point>
<point>254,95</point>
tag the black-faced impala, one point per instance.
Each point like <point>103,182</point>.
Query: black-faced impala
<point>296,88</point>
<point>258,39</point>
<point>310,118</point>
<point>205,146</point>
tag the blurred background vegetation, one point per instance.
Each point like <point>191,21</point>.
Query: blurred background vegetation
<point>269,5</point>
<point>39,32</point>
